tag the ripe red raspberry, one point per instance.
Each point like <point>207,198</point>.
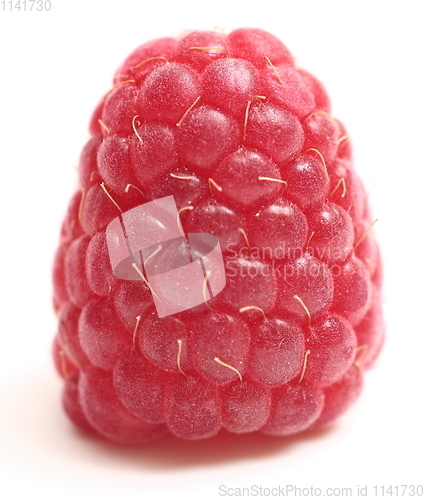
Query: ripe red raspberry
<point>246,144</point>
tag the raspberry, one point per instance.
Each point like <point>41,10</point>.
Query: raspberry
<point>245,143</point>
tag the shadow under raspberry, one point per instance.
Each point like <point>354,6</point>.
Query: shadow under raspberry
<point>37,426</point>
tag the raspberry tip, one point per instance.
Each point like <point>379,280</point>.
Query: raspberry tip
<point>179,353</point>
<point>102,185</point>
<point>361,353</point>
<point>344,188</point>
<point>222,363</point>
<point>150,59</point>
<point>363,236</point>
<point>243,232</point>
<point>133,124</point>
<point>211,181</point>
<point>188,110</point>
<point>135,331</point>
<point>323,161</point>
<point>248,308</point>
<point>300,300</point>
<point>306,355</point>
<point>275,71</point>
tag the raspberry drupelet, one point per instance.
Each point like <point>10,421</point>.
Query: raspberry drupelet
<point>246,143</point>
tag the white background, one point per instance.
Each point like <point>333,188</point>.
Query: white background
<point>54,67</point>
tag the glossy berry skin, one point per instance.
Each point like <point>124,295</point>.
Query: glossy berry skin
<point>246,143</point>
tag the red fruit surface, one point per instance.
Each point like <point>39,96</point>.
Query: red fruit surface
<point>245,142</point>
<point>72,406</point>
